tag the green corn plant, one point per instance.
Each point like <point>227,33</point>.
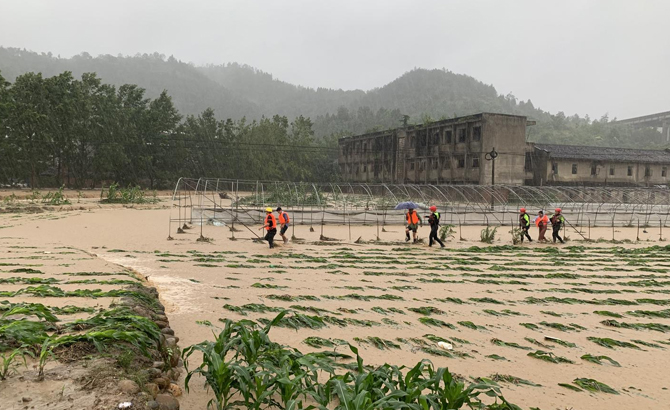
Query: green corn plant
<point>9,362</point>
<point>244,368</point>
<point>56,197</point>
<point>488,234</point>
<point>290,382</point>
<point>45,354</point>
<point>598,359</point>
<point>257,386</point>
<point>593,385</point>
<point>549,357</point>
<point>218,373</point>
<point>447,231</point>
<point>23,332</point>
<point>446,391</point>
<point>36,309</point>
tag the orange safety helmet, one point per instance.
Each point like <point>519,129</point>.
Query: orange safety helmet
<point>522,210</point>
<point>558,210</point>
<point>433,208</point>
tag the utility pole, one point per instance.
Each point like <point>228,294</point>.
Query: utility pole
<point>491,156</point>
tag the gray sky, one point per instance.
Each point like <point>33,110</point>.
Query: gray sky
<point>576,56</point>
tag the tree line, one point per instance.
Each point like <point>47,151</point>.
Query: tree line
<point>238,91</point>
<point>82,132</point>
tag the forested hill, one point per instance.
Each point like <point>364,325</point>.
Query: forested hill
<point>235,91</point>
<point>419,93</point>
<point>192,91</point>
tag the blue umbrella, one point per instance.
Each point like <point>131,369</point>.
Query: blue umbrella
<point>407,205</point>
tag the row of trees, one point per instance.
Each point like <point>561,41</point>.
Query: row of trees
<point>83,132</point>
<point>239,91</point>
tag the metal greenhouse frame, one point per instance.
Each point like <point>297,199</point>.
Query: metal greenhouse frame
<point>211,201</point>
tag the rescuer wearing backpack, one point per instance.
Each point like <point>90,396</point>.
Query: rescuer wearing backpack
<point>524,224</point>
<point>413,220</point>
<point>270,227</point>
<point>557,221</point>
<point>434,221</point>
<point>283,223</point>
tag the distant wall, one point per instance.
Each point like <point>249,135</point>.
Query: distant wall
<point>507,134</point>
<point>606,173</point>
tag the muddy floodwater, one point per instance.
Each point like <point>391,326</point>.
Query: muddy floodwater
<point>495,303</point>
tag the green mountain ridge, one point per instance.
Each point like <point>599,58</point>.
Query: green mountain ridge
<point>238,91</point>
<point>234,90</point>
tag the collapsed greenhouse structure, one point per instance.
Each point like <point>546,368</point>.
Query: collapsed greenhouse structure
<point>219,202</point>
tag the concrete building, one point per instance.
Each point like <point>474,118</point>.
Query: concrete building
<point>447,151</point>
<point>659,120</point>
<point>582,165</point>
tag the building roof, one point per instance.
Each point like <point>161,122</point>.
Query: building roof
<point>585,153</point>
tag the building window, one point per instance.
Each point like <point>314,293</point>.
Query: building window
<point>365,147</point>
<point>365,168</point>
<point>664,172</point>
<point>447,137</point>
<point>446,163</point>
<point>647,171</point>
<point>436,138</point>
<point>475,162</point>
<point>411,166</point>
<point>554,168</point>
<point>594,170</point>
<point>574,169</point>
<point>630,170</point>
<point>411,142</point>
<point>477,134</point>
<point>422,165</point>
<point>611,170</point>
<point>528,162</point>
<point>461,135</point>
<point>461,162</point>
<point>436,163</point>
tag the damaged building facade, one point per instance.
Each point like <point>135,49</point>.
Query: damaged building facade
<point>457,151</point>
<point>447,151</point>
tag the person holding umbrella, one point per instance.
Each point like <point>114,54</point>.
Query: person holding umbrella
<point>434,221</point>
<point>413,220</point>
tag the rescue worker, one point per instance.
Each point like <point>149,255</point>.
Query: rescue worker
<point>283,223</point>
<point>557,221</point>
<point>541,222</point>
<point>434,221</point>
<point>413,220</point>
<point>524,224</point>
<point>270,227</point>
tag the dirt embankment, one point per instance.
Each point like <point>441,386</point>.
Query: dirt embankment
<point>92,333</point>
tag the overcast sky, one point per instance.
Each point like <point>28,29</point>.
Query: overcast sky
<point>576,56</point>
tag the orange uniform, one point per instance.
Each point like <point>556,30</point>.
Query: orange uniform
<point>412,218</point>
<point>270,222</point>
